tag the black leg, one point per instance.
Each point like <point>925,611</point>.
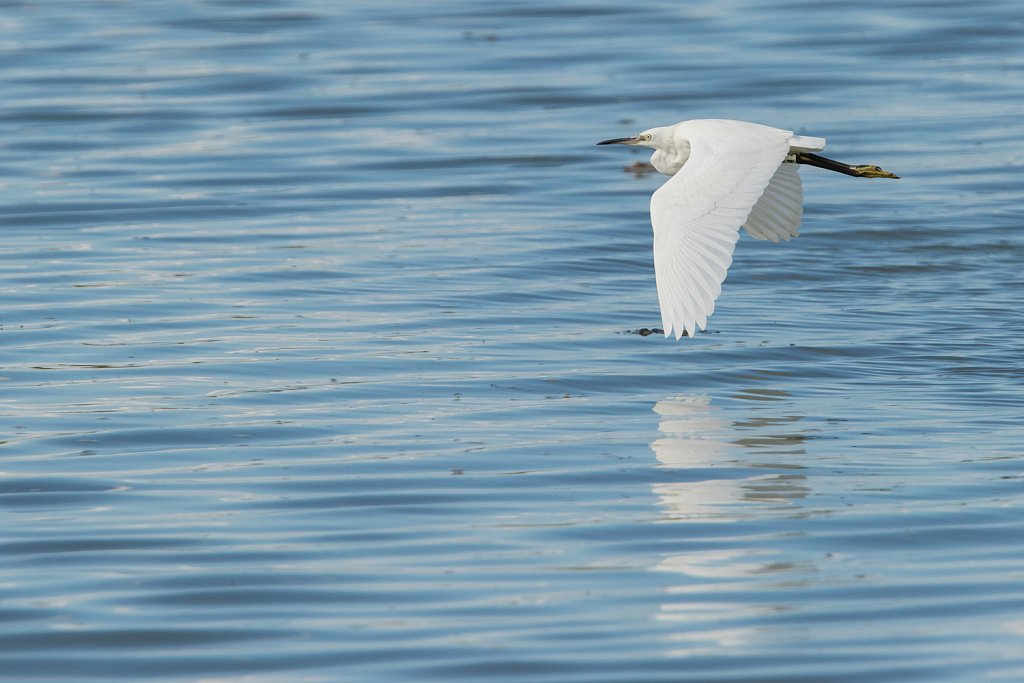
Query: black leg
<point>865,171</point>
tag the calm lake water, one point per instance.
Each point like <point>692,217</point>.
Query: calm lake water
<point>317,366</point>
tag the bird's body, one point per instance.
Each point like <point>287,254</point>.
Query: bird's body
<point>725,174</point>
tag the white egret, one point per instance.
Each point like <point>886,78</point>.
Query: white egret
<point>725,174</point>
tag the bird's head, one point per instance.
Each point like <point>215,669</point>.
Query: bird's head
<point>652,138</point>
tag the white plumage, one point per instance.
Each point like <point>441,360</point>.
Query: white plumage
<point>725,174</point>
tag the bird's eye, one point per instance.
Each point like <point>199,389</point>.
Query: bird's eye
<point>646,136</point>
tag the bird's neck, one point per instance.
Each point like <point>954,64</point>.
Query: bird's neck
<point>670,159</point>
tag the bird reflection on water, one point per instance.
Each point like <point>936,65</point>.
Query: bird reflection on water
<point>732,474</point>
<point>697,435</point>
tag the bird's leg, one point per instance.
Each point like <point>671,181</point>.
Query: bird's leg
<point>865,171</point>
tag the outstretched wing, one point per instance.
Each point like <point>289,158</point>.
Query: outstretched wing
<point>697,214</point>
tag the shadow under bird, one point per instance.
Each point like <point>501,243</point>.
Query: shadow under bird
<point>725,175</point>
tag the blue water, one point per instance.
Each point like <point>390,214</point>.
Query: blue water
<point>317,366</point>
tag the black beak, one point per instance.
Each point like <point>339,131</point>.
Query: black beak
<point>618,141</point>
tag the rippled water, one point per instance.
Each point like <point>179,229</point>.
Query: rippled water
<point>316,364</point>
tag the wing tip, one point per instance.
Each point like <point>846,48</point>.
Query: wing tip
<point>684,329</point>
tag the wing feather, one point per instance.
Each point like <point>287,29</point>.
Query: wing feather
<point>776,215</point>
<point>697,214</point>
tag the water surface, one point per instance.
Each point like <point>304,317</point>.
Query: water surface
<point>316,362</point>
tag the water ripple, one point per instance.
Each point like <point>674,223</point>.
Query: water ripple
<point>316,363</point>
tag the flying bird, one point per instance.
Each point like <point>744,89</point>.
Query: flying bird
<point>724,174</point>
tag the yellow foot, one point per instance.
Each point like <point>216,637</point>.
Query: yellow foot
<point>872,172</point>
